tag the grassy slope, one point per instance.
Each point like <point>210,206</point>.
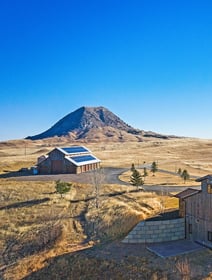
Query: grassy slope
<point>191,154</point>
<point>116,216</point>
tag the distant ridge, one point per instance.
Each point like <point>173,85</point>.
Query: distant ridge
<point>93,124</point>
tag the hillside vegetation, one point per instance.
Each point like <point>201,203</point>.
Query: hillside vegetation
<point>35,219</point>
<point>42,234</point>
<point>192,154</point>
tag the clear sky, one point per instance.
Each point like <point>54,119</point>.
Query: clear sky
<point>148,61</point>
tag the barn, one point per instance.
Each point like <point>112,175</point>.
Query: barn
<point>196,208</point>
<point>74,160</point>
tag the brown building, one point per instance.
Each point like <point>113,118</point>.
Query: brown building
<point>196,208</point>
<point>75,159</point>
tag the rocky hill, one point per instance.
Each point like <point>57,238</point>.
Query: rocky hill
<point>94,124</point>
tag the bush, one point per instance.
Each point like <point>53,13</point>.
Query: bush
<point>62,187</point>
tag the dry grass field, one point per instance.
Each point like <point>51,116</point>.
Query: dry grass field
<point>36,224</point>
<point>41,231</point>
<point>186,153</point>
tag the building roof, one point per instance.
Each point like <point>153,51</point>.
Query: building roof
<point>82,160</point>
<point>186,193</point>
<point>78,155</point>
<point>73,150</point>
<point>207,177</point>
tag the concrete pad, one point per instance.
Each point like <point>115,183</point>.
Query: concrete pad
<point>174,248</point>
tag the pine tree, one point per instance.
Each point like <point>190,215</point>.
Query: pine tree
<point>136,178</point>
<point>179,172</point>
<point>145,173</point>
<point>154,168</point>
<point>132,167</point>
<point>62,187</point>
<point>185,175</point>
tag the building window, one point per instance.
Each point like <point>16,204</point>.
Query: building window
<point>210,236</point>
<point>210,188</point>
<point>189,228</point>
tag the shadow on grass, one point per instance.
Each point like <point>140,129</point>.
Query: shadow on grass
<point>54,266</point>
<point>105,195</point>
<point>10,174</point>
<point>27,203</point>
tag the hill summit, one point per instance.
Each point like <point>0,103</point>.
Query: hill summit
<point>94,123</point>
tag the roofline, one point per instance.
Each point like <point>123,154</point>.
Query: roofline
<point>185,196</point>
<point>78,153</point>
<point>42,160</point>
<point>62,151</point>
<point>96,160</point>
<point>209,176</point>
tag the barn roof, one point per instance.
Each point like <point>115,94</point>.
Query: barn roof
<point>78,155</point>
<point>83,159</point>
<point>186,193</point>
<point>74,150</point>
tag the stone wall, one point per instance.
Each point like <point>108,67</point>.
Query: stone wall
<point>157,231</point>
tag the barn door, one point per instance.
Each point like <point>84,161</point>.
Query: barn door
<point>57,166</point>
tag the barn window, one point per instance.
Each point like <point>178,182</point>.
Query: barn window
<point>210,188</point>
<point>210,236</point>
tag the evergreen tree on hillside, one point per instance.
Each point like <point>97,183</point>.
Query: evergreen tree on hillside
<point>62,187</point>
<point>185,175</point>
<point>154,168</point>
<point>136,178</point>
<point>179,172</point>
<point>132,167</point>
<point>145,174</point>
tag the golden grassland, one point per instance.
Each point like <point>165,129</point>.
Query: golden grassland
<point>191,154</point>
<point>161,179</point>
<point>30,211</point>
<point>26,224</point>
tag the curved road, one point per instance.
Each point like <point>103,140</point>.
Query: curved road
<point>110,176</point>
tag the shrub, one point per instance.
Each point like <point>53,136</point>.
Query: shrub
<point>62,187</point>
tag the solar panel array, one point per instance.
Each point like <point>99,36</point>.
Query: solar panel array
<point>83,158</point>
<point>75,149</point>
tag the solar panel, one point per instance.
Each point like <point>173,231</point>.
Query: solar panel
<point>83,158</point>
<point>75,149</point>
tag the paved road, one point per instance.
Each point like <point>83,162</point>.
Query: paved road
<point>168,189</point>
<point>110,176</point>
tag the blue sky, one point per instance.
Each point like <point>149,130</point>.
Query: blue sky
<point>148,61</point>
